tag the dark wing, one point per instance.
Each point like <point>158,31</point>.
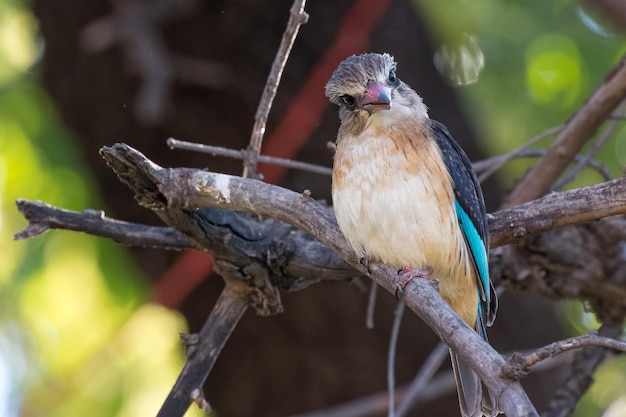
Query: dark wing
<point>472,217</point>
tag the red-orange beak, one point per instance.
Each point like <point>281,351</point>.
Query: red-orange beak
<point>377,97</point>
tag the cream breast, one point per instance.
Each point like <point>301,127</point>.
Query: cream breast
<point>394,202</point>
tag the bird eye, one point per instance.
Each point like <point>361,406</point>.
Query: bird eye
<point>347,100</point>
<point>392,76</point>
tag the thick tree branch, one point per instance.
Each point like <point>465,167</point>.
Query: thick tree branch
<point>556,210</point>
<point>579,128</point>
<point>204,348</point>
<point>43,217</point>
<point>300,260</point>
<point>583,262</point>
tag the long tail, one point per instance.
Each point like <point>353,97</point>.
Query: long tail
<point>475,399</point>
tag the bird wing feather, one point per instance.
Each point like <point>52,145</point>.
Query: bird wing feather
<point>472,218</point>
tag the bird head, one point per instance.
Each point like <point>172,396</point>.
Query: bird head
<point>366,85</point>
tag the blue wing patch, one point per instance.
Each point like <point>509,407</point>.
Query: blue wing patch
<point>477,248</point>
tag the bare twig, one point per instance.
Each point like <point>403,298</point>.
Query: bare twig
<point>578,129</point>
<point>369,406</point>
<point>586,361</point>
<point>233,153</point>
<point>423,378</point>
<point>484,169</point>
<point>297,18</point>
<point>391,357</point>
<point>521,363</point>
<point>487,167</point>
<point>593,149</point>
<point>202,351</point>
<point>538,153</point>
<point>436,388</point>
<point>371,306</point>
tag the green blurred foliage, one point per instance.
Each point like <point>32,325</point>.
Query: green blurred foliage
<point>539,61</point>
<point>76,334</point>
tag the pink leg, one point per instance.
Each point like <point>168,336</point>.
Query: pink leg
<point>406,274</point>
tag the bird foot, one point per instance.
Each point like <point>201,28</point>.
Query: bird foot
<point>406,275</point>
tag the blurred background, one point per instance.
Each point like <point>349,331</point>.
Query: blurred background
<point>88,327</point>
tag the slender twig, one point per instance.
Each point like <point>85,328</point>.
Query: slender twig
<point>297,18</point>
<point>538,153</point>
<point>593,149</point>
<point>484,169</point>
<point>391,357</point>
<point>487,167</point>
<point>523,362</point>
<point>585,363</point>
<point>371,306</point>
<point>372,405</point>
<point>578,129</point>
<point>203,350</point>
<point>423,378</point>
<point>436,388</point>
<point>236,154</point>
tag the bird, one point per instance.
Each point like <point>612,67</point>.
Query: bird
<point>405,194</point>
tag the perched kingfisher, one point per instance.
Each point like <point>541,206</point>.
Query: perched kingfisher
<point>405,194</point>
